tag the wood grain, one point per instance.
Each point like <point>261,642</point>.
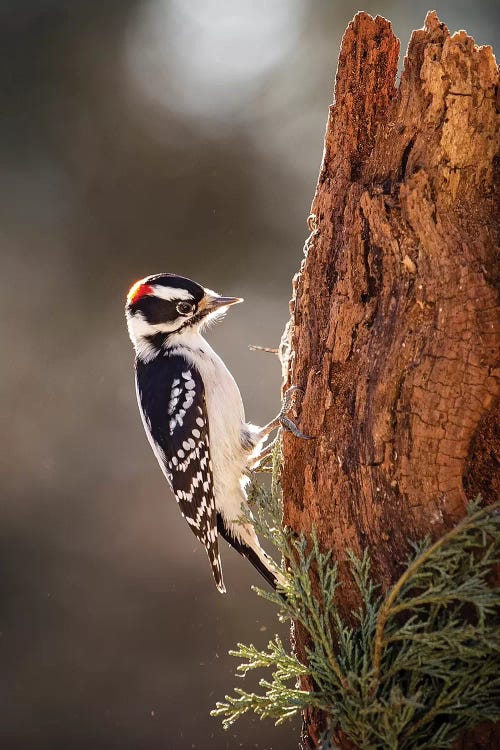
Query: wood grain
<point>394,329</point>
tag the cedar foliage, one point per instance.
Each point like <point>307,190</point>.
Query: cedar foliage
<point>420,663</point>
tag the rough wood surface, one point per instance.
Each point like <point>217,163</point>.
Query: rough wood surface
<point>395,329</point>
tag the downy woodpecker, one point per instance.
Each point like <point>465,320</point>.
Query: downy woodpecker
<point>193,414</point>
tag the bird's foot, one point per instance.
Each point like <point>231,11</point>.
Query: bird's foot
<point>282,420</point>
<point>285,421</point>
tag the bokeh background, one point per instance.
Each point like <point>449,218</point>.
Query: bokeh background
<point>139,136</point>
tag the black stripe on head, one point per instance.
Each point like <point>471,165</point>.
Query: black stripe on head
<point>157,310</point>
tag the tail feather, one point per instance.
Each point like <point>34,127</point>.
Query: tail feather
<point>252,550</point>
<point>215,564</point>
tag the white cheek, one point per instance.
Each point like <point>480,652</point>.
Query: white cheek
<point>168,327</point>
<point>140,331</point>
<point>139,327</point>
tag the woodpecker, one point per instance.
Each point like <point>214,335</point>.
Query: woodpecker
<point>193,414</point>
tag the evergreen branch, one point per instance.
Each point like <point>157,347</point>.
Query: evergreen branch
<point>421,663</point>
<point>387,606</point>
<point>276,654</point>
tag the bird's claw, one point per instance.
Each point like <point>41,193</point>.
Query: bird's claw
<point>285,421</point>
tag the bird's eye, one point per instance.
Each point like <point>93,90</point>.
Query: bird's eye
<point>184,308</point>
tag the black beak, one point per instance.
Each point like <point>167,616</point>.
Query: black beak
<point>210,303</point>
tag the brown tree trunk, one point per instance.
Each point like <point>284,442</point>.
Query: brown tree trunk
<point>394,329</point>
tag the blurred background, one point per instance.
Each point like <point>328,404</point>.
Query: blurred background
<point>139,136</point>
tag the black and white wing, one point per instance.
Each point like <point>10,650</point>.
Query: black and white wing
<point>171,398</point>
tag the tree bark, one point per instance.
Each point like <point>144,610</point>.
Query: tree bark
<point>394,329</point>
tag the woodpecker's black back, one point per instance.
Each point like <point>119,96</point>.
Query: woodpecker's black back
<point>172,400</point>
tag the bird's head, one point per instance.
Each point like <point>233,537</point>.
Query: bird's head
<point>164,306</point>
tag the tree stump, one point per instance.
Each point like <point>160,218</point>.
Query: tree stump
<point>394,328</point>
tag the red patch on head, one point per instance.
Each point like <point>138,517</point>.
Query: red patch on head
<point>137,291</point>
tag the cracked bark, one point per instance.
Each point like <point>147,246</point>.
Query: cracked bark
<point>394,328</point>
